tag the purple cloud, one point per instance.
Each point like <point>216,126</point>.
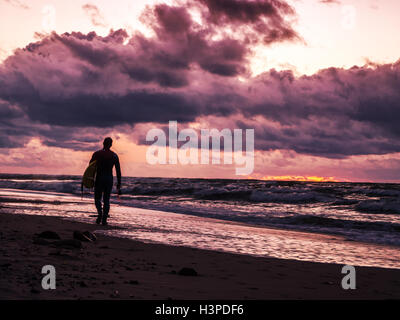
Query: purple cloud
<point>74,81</point>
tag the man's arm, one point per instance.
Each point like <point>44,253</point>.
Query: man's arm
<point>118,170</point>
<point>93,157</point>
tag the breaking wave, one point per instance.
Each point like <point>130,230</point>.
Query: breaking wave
<point>362,211</point>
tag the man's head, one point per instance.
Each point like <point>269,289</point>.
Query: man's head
<point>107,143</point>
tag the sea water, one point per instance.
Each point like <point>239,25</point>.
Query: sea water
<point>345,223</point>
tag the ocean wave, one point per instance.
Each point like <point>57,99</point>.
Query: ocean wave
<point>377,190</point>
<point>382,206</point>
<point>222,194</point>
<point>289,197</point>
<point>318,221</point>
<point>369,211</point>
<point>68,186</point>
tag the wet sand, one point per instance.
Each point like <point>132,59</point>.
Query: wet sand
<point>116,268</point>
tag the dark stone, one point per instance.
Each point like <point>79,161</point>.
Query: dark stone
<point>80,236</point>
<point>133,282</point>
<point>187,272</point>
<point>49,235</point>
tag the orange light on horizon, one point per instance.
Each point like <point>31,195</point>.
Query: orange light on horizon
<point>297,178</point>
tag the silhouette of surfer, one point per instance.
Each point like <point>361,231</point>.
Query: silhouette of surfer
<point>105,161</point>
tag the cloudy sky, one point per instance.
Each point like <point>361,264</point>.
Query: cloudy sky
<point>318,81</point>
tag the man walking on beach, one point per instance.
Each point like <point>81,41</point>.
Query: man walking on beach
<point>105,161</point>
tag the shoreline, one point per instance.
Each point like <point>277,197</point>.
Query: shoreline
<point>286,229</point>
<point>120,268</point>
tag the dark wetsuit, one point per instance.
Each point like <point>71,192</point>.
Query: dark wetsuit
<point>106,160</point>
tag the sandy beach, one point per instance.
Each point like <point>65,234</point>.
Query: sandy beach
<point>117,268</point>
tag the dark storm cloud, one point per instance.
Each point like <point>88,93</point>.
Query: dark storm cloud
<point>265,16</point>
<point>112,110</point>
<point>244,11</point>
<point>8,111</point>
<point>79,139</point>
<point>334,113</point>
<point>323,137</point>
<point>11,135</point>
<point>179,44</point>
<point>70,89</point>
<point>77,79</point>
<point>9,142</point>
<point>170,19</point>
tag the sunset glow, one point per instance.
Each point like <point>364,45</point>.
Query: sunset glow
<point>199,153</point>
<point>298,178</point>
<point>316,80</point>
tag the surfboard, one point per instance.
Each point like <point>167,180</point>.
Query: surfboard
<point>89,176</point>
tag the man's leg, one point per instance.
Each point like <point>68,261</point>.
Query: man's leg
<point>98,191</point>
<point>106,200</point>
